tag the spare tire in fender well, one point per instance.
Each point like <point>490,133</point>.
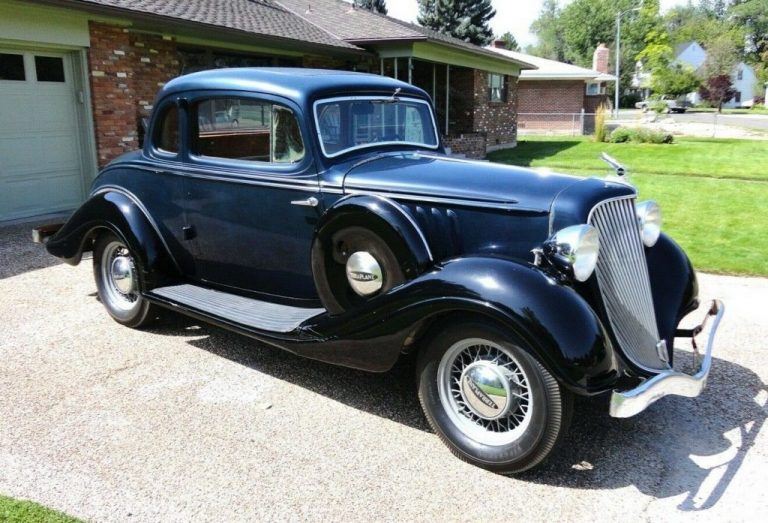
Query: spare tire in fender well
<point>384,217</point>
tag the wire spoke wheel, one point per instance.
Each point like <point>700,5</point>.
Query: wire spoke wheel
<point>485,391</point>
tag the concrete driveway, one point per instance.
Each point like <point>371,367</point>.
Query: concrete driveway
<point>186,421</point>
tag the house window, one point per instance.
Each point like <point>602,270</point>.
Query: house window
<point>737,98</point>
<point>249,130</point>
<point>740,74</point>
<point>12,67</point>
<point>497,90</point>
<point>593,89</point>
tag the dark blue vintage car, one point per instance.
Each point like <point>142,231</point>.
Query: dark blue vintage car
<point>317,211</point>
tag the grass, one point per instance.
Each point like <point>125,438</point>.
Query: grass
<point>707,157</point>
<point>18,511</point>
<point>719,217</point>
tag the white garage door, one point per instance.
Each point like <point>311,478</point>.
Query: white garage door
<point>40,165</point>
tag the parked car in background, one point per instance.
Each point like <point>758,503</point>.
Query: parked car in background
<point>668,105</point>
<point>330,222</point>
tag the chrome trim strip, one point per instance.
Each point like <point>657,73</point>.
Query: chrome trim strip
<point>508,206</point>
<point>631,402</point>
<point>295,185</point>
<point>373,144</point>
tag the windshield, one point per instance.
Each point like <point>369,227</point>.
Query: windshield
<point>351,123</point>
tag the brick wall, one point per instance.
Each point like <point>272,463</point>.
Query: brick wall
<point>560,99</point>
<point>472,145</point>
<point>498,120</point>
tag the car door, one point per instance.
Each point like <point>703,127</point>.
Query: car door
<point>252,195</point>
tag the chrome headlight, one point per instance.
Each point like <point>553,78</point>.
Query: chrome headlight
<point>649,218</point>
<point>574,249</point>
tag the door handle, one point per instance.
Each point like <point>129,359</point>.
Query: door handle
<point>309,202</point>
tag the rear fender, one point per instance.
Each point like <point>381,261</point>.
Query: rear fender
<point>550,320</point>
<point>120,212</point>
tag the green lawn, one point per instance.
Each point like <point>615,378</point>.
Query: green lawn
<point>720,218</point>
<point>715,158</point>
<point>18,511</point>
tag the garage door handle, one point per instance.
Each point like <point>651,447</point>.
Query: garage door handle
<point>309,202</point>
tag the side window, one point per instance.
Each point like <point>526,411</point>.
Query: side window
<point>287,146</point>
<point>167,137</point>
<point>248,130</point>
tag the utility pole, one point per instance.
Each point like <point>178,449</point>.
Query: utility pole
<point>618,59</point>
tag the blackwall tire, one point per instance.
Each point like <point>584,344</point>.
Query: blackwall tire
<point>513,442</point>
<point>122,300</point>
<point>329,267</point>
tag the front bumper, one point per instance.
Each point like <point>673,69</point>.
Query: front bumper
<point>670,382</point>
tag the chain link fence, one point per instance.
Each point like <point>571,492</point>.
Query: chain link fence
<point>571,124</point>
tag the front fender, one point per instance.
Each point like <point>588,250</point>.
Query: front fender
<point>120,213</point>
<point>545,317</point>
<point>674,286</point>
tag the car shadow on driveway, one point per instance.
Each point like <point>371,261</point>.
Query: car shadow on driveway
<point>677,446</point>
<point>18,254</point>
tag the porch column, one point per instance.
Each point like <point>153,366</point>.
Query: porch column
<point>381,66</point>
<point>434,83</point>
<point>447,94</point>
<point>396,78</point>
<point>410,69</point>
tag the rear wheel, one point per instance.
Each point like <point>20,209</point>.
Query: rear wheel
<point>118,281</point>
<point>490,401</point>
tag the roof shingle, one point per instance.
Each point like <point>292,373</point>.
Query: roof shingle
<point>260,17</point>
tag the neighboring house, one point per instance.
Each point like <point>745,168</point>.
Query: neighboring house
<point>743,77</point>
<point>77,76</point>
<point>557,96</point>
<point>693,55</point>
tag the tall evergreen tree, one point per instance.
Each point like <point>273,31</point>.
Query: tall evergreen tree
<point>466,20</point>
<point>379,6</point>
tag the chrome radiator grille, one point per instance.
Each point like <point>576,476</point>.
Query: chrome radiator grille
<point>622,275</point>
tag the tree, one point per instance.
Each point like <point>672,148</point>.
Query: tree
<point>463,19</point>
<point>510,42</point>
<point>675,80</point>
<point>718,90</point>
<point>546,27</point>
<point>722,57</point>
<point>380,6</point>
<point>752,15</point>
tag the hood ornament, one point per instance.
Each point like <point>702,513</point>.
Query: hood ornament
<point>621,171</point>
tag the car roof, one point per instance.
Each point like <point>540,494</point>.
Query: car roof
<point>298,84</point>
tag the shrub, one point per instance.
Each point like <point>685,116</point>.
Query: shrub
<point>640,135</point>
<point>621,135</point>
<point>601,133</point>
<point>658,106</point>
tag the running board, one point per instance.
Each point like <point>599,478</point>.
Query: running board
<point>255,314</point>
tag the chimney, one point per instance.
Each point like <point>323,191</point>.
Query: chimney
<point>499,44</point>
<point>600,58</point>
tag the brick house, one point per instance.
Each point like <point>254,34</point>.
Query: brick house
<point>78,76</point>
<point>560,97</point>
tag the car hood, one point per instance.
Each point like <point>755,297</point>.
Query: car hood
<point>439,178</point>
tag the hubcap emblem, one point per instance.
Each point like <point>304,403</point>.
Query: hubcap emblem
<point>364,273</point>
<point>485,388</point>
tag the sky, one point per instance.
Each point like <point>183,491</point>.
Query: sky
<point>511,15</point>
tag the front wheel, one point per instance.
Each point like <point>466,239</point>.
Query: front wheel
<point>118,281</point>
<point>490,401</point>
